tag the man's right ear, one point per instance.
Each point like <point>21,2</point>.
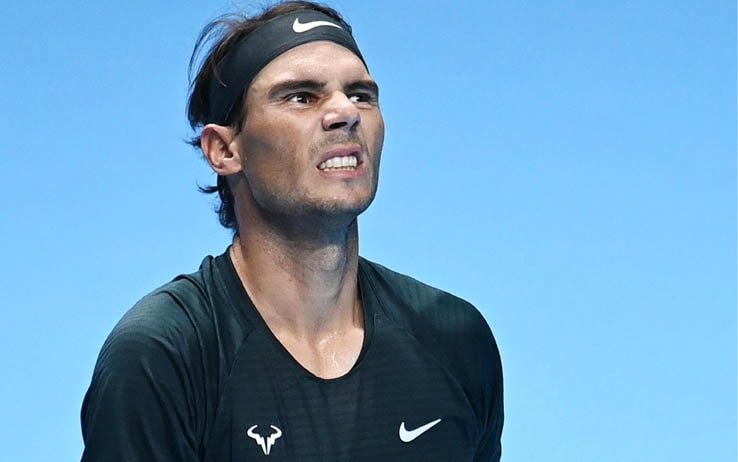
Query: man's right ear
<point>216,142</point>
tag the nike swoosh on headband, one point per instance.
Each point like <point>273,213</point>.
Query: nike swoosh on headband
<point>299,27</point>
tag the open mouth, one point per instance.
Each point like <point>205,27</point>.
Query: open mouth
<point>349,162</point>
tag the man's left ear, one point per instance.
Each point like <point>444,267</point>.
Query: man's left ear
<point>219,149</point>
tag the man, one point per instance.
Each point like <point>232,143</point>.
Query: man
<point>289,346</point>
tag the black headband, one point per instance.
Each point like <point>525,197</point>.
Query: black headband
<point>239,67</point>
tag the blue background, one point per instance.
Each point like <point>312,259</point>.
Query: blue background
<point>568,166</point>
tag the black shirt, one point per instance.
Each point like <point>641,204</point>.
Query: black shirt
<point>192,373</point>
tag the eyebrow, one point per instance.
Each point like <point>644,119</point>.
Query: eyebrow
<point>289,86</point>
<point>365,85</point>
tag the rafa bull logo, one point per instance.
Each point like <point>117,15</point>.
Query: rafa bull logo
<point>265,443</point>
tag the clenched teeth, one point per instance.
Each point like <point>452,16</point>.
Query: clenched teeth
<point>339,163</point>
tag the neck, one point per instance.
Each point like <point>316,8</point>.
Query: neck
<point>302,283</point>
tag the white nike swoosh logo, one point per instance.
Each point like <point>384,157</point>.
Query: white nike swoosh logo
<point>299,27</point>
<point>408,435</point>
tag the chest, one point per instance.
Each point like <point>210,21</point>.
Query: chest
<point>397,403</point>
<point>330,357</point>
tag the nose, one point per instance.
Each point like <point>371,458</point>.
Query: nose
<point>341,113</point>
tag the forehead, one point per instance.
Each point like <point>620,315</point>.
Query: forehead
<point>315,60</point>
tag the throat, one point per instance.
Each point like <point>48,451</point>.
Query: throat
<point>330,357</point>
<point>309,300</point>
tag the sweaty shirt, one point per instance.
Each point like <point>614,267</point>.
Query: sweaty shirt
<point>193,373</point>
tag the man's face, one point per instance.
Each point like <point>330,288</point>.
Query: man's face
<point>313,133</point>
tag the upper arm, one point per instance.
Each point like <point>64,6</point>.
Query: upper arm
<point>141,404</point>
<point>490,445</point>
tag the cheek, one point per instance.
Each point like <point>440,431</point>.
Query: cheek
<point>377,137</point>
<point>380,135</point>
<point>274,140</point>
<point>270,160</point>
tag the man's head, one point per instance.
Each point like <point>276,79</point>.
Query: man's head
<point>281,98</point>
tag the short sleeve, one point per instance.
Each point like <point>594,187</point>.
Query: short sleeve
<point>140,403</point>
<point>490,445</point>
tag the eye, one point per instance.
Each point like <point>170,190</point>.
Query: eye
<point>362,97</point>
<point>301,98</point>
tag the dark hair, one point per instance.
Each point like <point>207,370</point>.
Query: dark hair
<point>215,41</point>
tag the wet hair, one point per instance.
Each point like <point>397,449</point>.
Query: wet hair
<point>216,40</point>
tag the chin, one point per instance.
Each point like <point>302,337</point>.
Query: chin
<point>344,210</point>
<point>341,208</point>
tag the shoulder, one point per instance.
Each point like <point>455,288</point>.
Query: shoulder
<point>179,312</point>
<point>162,327</point>
<point>150,371</point>
<point>168,313</point>
<point>173,324</point>
<point>449,328</point>
<point>162,338</point>
<point>421,306</point>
